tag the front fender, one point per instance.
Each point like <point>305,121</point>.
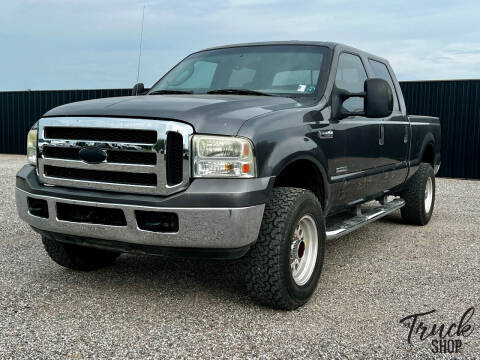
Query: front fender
<point>282,139</point>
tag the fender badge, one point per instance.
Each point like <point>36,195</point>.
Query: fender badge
<point>326,134</point>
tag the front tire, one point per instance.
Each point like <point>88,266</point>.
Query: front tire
<point>420,196</point>
<point>283,267</point>
<point>78,257</point>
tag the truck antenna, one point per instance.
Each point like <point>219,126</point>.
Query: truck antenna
<point>140,47</point>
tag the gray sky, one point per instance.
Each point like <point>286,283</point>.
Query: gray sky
<point>68,44</point>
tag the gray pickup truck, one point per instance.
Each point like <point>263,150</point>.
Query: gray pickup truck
<point>239,152</point>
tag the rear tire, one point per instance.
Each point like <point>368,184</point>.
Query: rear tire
<point>420,196</point>
<point>77,257</point>
<point>283,267</point>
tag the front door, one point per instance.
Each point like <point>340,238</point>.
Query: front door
<point>359,173</point>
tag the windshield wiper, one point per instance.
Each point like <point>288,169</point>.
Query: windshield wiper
<point>166,92</point>
<point>239,92</point>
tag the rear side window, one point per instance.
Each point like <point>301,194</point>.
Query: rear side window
<point>351,76</point>
<point>380,70</point>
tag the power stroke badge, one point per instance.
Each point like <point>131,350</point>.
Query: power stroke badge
<point>443,338</point>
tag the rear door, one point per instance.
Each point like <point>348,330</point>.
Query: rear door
<point>395,131</point>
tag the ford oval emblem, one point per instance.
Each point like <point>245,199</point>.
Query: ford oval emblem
<point>92,155</point>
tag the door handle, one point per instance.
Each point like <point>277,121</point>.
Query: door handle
<point>381,135</point>
<point>405,137</point>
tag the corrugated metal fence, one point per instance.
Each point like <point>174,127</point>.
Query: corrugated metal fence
<point>19,110</point>
<point>457,103</point>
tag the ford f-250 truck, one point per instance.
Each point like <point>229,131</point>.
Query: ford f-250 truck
<point>239,152</point>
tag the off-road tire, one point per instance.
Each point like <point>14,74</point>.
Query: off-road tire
<point>266,267</point>
<point>78,257</point>
<point>414,210</point>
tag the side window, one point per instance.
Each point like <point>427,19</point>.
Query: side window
<point>198,75</point>
<point>351,76</point>
<point>380,70</point>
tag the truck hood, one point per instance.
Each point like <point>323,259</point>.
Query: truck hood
<point>214,114</point>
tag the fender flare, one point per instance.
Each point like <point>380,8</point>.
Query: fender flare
<point>282,165</point>
<point>428,140</point>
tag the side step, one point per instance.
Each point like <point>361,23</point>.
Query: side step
<point>358,221</point>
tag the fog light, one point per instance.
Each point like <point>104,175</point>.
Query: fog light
<point>37,207</point>
<point>157,221</point>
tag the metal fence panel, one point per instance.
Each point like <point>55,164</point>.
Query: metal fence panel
<point>19,110</point>
<point>456,103</point>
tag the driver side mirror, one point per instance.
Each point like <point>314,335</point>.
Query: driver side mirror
<point>138,89</point>
<point>377,99</point>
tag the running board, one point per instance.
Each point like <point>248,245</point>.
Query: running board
<point>358,221</point>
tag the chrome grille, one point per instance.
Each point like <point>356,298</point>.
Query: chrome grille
<point>142,156</point>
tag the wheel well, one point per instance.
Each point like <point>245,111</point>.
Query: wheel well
<point>303,174</point>
<point>429,155</point>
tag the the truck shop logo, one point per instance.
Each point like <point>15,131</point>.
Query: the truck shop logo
<point>444,338</point>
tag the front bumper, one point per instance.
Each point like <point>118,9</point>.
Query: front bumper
<point>202,227</point>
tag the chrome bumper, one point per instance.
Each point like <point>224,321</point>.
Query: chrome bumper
<point>220,228</point>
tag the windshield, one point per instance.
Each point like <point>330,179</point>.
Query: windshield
<point>285,70</point>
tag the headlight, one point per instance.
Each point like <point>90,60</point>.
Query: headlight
<point>222,156</point>
<point>32,145</point>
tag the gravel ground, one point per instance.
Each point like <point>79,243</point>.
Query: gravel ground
<point>152,307</point>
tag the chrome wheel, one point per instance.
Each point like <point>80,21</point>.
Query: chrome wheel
<point>428,194</point>
<point>303,251</point>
